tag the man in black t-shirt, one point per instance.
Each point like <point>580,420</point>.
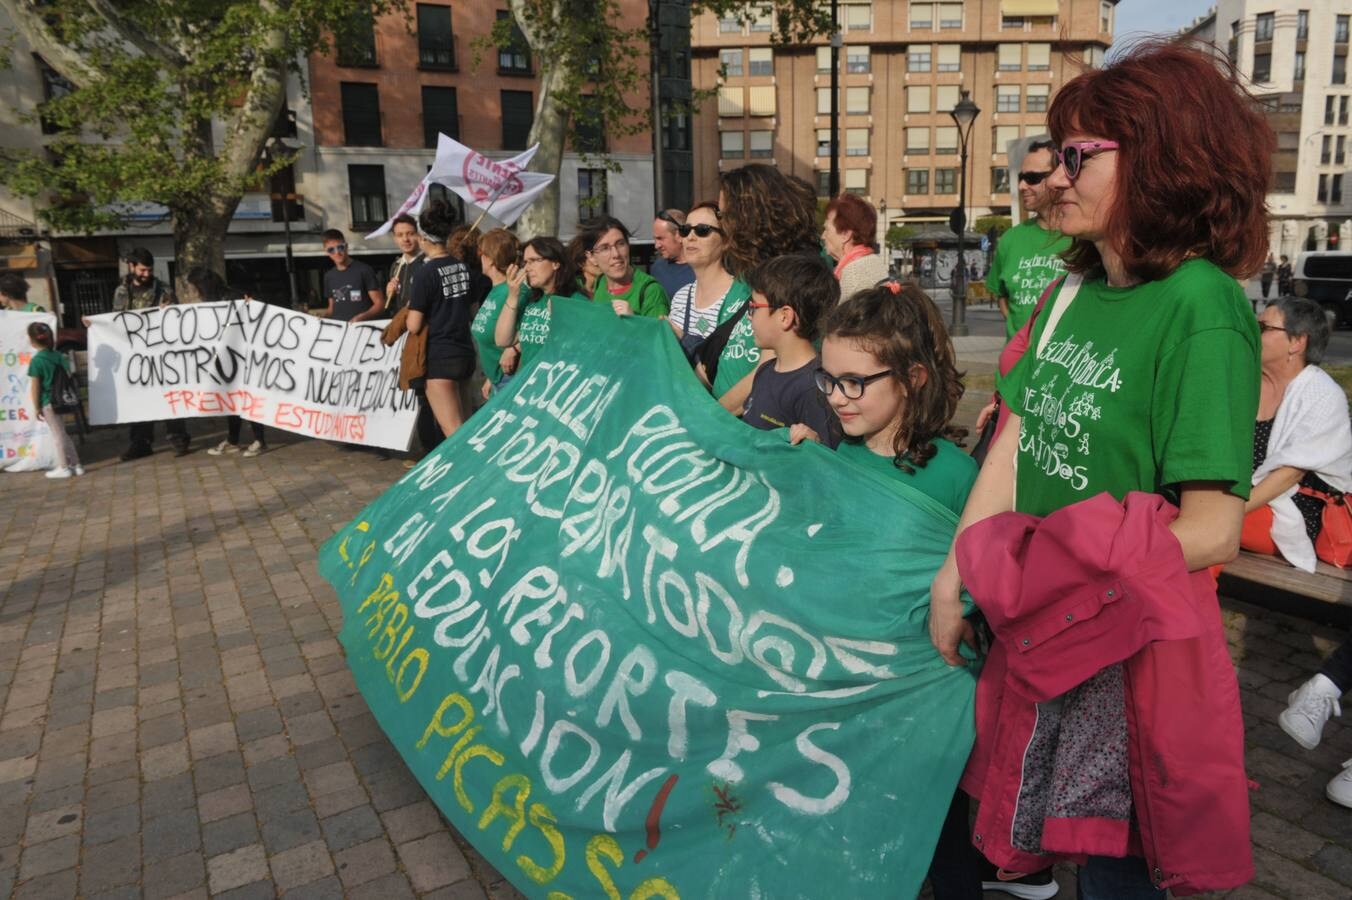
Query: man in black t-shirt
<point>350,287</point>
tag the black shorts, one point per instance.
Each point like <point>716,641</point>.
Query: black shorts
<point>453,368</point>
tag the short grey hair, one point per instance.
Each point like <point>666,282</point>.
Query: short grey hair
<point>1302,316</point>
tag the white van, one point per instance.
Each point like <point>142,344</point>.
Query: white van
<point>1325,276</point>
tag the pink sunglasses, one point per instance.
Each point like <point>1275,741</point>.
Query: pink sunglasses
<point>1073,155</point>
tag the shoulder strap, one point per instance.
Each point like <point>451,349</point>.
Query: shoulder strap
<point>1069,289</point>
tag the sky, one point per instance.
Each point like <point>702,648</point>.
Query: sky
<point>1156,16</point>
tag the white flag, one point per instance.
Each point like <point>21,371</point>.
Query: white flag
<point>500,187</point>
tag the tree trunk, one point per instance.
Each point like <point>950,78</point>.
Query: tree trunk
<point>199,239</point>
<point>549,130</point>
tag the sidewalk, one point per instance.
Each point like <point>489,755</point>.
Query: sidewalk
<point>177,719</point>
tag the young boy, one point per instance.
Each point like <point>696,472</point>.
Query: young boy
<point>789,296</point>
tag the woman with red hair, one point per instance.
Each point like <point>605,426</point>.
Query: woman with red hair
<point>1146,384</point>
<point>850,232</point>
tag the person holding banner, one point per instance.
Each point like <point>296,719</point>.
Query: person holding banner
<point>546,271</point>
<point>410,259</point>
<point>629,291</point>
<point>440,302</point>
<point>350,286</point>
<point>205,286</point>
<point>1141,389</point>
<point>43,370</point>
<point>697,308</point>
<point>588,272</point>
<point>498,252</point>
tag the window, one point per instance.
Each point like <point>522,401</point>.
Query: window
<point>731,61</point>
<point>1262,27</point>
<point>857,16</point>
<point>1037,95</point>
<point>440,114</point>
<point>518,115</point>
<point>514,59</point>
<point>824,59</point>
<point>918,98</point>
<point>1009,57</point>
<point>1336,189</point>
<point>1338,155</point>
<point>999,179</point>
<point>824,142</point>
<point>823,183</point>
<point>1303,25</point>
<point>1284,183</point>
<point>945,181</point>
<point>918,59</point>
<point>675,126</point>
<point>1262,67</point>
<point>762,144</point>
<point>732,145</point>
<point>729,25</point>
<point>1013,23</point>
<point>857,59</point>
<point>589,126</point>
<point>917,140</point>
<point>1106,17</point>
<point>1007,98</point>
<point>946,97</point>
<point>1326,150</point>
<point>1342,110</point>
<point>950,15</point>
<point>946,139</point>
<point>592,197</point>
<point>856,142</point>
<point>366,187</point>
<point>1094,57</point>
<point>762,60</point>
<point>917,181</point>
<point>1288,140</point>
<point>856,101</point>
<point>361,115</point>
<point>950,58</point>
<point>1039,57</point>
<point>1339,69</point>
<point>856,181</point>
<point>1328,110</point>
<point>1323,195</point>
<point>436,41</point>
<point>1003,136</point>
<point>823,101</point>
<point>761,100</point>
<point>763,21</point>
<point>357,48</point>
<point>730,102</point>
<point>54,87</point>
<point>922,16</point>
<point>1340,29</point>
<point>1298,72</point>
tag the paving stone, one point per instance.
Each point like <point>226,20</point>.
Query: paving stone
<point>110,865</point>
<point>365,862</point>
<point>168,795</point>
<point>220,771</point>
<point>53,824</point>
<point>301,865</point>
<point>290,830</point>
<point>57,886</point>
<point>175,876</point>
<point>352,827</point>
<point>49,856</point>
<point>170,836</point>
<point>212,740</point>
<point>433,861</point>
<point>229,834</point>
<point>225,802</point>
<point>258,723</point>
<point>237,868</point>
<point>1336,862</point>
<point>388,887</point>
<point>100,828</point>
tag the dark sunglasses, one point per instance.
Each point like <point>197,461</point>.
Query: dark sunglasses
<point>668,218</point>
<point>1073,155</point>
<point>701,230</point>
<point>336,248</point>
<point>1031,178</point>
<point>852,386</point>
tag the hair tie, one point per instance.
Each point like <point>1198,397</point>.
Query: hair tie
<point>894,287</point>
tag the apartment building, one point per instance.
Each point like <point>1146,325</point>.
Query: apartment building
<point>903,66</point>
<point>1292,54</point>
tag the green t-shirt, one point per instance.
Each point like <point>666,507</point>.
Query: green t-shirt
<point>947,477</point>
<point>485,322</point>
<point>740,356</point>
<point>645,296</point>
<point>1026,261</point>
<point>532,325</point>
<point>1139,389</point>
<point>43,367</point>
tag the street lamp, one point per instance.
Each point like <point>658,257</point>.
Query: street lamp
<point>276,145</point>
<point>964,114</point>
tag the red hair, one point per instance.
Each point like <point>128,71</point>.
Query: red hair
<point>855,215</point>
<point>1194,165</point>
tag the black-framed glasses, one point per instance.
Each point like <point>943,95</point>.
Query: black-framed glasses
<point>852,386</point>
<point>336,248</point>
<point>1265,327</point>
<point>701,230</point>
<point>1032,178</point>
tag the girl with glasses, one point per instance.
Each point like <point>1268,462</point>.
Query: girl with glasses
<point>544,278</point>
<point>1146,382</point>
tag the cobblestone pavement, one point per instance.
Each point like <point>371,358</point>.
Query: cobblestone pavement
<point>177,719</point>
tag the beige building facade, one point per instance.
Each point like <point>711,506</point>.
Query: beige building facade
<point>903,66</point>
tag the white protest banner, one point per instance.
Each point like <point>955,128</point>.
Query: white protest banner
<point>25,442</point>
<point>318,377</point>
<point>501,187</point>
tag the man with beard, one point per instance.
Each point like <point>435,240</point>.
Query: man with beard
<point>140,289</point>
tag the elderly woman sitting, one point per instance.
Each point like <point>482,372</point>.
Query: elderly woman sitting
<point>1302,438</point>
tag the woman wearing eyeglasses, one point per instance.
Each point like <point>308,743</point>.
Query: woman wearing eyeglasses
<point>629,291</point>
<point>546,271</point>
<point>697,308</point>
<point>1147,382</point>
<point>849,233</point>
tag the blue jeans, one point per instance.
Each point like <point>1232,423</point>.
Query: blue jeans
<point>1111,878</point>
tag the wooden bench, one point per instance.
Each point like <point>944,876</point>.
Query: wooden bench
<point>1325,593</point>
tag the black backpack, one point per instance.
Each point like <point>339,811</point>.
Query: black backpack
<point>66,397</point>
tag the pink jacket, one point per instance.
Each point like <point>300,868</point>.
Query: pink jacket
<point>1091,585</point>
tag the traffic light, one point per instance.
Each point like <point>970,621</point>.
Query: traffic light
<point>957,221</point>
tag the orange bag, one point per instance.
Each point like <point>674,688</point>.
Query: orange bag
<point>1334,544</point>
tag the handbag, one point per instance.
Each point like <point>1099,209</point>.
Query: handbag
<point>1334,544</point>
<point>690,343</point>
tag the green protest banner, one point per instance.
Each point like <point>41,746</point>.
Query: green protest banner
<point>634,648</point>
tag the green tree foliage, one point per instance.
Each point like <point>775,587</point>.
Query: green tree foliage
<point>172,103</point>
<point>1001,224</point>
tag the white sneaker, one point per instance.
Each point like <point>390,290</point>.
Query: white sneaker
<point>59,472</point>
<point>1310,706</point>
<point>1339,790</point>
<point>222,448</point>
<point>254,449</point>
<point>79,469</point>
